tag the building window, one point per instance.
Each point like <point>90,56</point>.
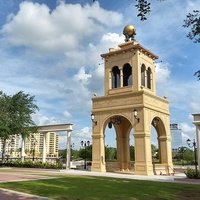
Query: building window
<point>143,69</point>
<point>149,74</point>
<point>127,75</point>
<point>115,77</point>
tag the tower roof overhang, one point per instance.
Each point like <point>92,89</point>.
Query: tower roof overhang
<point>129,46</point>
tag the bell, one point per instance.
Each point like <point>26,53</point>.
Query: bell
<point>110,125</point>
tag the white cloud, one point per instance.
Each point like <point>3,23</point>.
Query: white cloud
<point>162,73</point>
<point>188,132</point>
<point>186,128</point>
<point>112,38</point>
<point>82,76</point>
<point>40,119</point>
<point>83,134</point>
<point>59,30</point>
<point>67,114</point>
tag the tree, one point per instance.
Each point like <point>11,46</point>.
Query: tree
<point>15,115</point>
<point>192,21</point>
<point>132,153</point>
<point>110,153</point>
<point>86,153</point>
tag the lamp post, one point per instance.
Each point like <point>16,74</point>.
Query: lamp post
<point>193,144</point>
<point>85,144</point>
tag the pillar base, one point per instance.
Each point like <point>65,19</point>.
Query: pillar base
<point>98,167</point>
<point>143,169</point>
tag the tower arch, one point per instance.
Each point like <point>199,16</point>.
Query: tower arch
<point>143,75</point>
<point>115,77</point>
<point>149,78</point>
<point>122,126</point>
<point>127,75</point>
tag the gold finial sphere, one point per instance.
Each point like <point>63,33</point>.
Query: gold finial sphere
<point>129,32</point>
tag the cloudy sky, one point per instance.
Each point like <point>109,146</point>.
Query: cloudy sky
<point>51,49</point>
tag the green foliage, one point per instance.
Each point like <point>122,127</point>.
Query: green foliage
<point>15,115</point>
<point>143,8</point>
<point>86,153</point>
<point>31,164</point>
<point>191,173</point>
<point>132,153</point>
<point>110,154</point>
<point>192,21</point>
<point>197,74</point>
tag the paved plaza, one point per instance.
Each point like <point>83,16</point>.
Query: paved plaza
<point>19,174</point>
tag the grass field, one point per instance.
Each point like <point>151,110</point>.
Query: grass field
<point>98,188</point>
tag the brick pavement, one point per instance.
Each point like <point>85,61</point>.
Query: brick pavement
<point>18,176</point>
<point>12,195</point>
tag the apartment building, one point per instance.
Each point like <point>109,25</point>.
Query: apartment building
<point>13,146</point>
<point>34,145</point>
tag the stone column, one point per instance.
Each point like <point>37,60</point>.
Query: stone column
<point>198,145</point>
<point>121,78</point>
<point>98,153</point>
<point>143,160</point>
<point>196,122</point>
<point>44,150</point>
<point>68,155</point>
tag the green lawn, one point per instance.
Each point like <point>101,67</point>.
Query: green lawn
<point>98,188</point>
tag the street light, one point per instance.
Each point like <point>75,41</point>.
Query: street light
<point>85,144</point>
<point>193,144</point>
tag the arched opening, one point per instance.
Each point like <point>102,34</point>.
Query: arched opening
<point>159,150</point>
<point>127,75</point>
<point>115,77</point>
<point>154,146</point>
<point>110,145</point>
<point>143,69</point>
<point>149,74</point>
<point>132,150</point>
<point>117,154</point>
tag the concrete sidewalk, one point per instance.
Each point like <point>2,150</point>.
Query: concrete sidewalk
<point>161,178</point>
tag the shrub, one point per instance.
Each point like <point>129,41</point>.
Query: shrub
<point>191,173</point>
<point>31,164</point>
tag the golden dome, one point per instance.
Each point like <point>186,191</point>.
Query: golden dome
<point>129,31</point>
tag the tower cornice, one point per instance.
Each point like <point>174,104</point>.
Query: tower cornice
<point>129,46</point>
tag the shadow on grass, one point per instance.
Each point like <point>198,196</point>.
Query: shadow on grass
<point>98,188</point>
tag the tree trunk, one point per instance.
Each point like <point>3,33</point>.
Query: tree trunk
<point>23,149</point>
<point>3,150</point>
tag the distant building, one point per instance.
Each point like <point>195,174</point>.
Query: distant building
<point>32,143</point>
<point>176,134</point>
<point>13,145</point>
<point>35,143</point>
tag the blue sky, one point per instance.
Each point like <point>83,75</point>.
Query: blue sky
<point>51,49</point>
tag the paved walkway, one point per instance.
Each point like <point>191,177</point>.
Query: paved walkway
<point>13,195</point>
<point>177,178</point>
<point>19,174</point>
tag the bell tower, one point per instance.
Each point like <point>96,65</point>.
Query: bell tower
<point>130,102</point>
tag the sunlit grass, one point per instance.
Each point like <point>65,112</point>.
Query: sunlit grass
<point>98,188</point>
